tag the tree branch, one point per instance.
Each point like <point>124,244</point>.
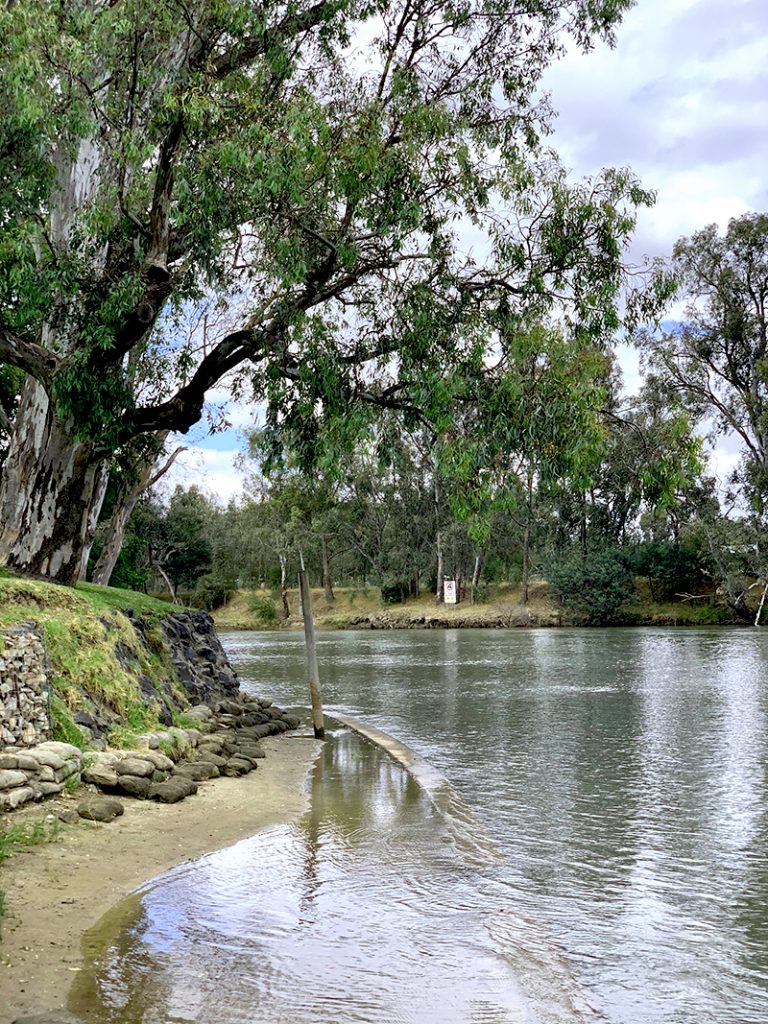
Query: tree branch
<point>291,26</point>
<point>35,360</point>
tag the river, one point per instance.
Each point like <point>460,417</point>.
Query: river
<point>615,786</point>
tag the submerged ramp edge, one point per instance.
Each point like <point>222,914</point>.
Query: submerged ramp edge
<point>553,994</point>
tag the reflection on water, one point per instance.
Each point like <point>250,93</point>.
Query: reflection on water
<point>363,911</point>
<point>622,772</point>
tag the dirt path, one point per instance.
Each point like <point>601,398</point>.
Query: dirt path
<point>56,892</point>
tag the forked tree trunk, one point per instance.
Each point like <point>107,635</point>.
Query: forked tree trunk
<point>121,514</point>
<point>113,543</point>
<point>50,495</point>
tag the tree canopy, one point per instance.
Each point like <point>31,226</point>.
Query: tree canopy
<point>316,168</point>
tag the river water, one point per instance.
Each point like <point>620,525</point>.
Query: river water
<point>607,846</point>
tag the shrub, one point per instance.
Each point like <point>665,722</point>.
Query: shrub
<point>264,611</point>
<point>394,590</point>
<point>211,592</point>
<point>669,568</point>
<point>594,585</point>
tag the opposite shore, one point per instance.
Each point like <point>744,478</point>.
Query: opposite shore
<point>500,608</point>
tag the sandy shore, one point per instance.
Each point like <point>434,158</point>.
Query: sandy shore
<point>56,892</point>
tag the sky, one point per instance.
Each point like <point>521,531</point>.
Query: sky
<point>683,100</point>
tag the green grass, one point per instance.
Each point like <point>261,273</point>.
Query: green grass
<point>81,629</point>
<point>112,598</point>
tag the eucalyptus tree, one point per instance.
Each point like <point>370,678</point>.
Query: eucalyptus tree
<point>311,160</point>
<point>716,359</point>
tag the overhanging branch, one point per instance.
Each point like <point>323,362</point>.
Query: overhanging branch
<point>35,360</point>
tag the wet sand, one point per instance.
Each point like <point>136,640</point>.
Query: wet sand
<point>57,891</point>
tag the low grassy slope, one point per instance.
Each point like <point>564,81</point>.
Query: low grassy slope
<point>500,606</point>
<point>250,609</point>
<point>82,630</point>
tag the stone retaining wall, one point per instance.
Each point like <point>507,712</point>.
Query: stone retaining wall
<point>167,767</point>
<point>24,718</point>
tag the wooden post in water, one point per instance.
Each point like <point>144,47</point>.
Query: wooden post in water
<point>309,639</point>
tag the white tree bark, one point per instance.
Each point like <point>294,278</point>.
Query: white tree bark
<point>50,494</point>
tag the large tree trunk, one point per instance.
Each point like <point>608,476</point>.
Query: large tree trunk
<point>284,586</point>
<point>50,495</point>
<point>526,573</point>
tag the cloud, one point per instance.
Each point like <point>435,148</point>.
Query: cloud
<point>211,471</point>
<point>680,99</point>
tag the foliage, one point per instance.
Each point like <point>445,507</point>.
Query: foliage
<point>394,590</point>
<point>238,157</point>
<point>595,585</point>
<point>117,599</point>
<point>64,726</point>
<point>211,592</point>
<point>669,568</point>
<point>716,359</point>
<point>17,837</point>
<point>264,611</point>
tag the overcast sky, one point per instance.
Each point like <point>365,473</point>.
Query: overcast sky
<point>682,100</point>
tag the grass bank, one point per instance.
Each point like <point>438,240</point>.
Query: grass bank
<point>500,607</point>
<point>96,655</point>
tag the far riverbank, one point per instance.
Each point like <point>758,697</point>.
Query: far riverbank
<point>500,608</point>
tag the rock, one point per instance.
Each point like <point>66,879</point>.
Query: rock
<point>69,817</point>
<point>160,761</point>
<point>171,791</point>
<point>10,799</point>
<point>100,775</point>
<point>66,751</point>
<point>216,759</point>
<point>239,766</point>
<point>100,808</point>
<point>49,758</point>
<point>252,750</point>
<point>70,768</point>
<point>135,766</point>
<point>214,743</point>
<point>198,771</point>
<point>43,789</point>
<point>201,710</point>
<point>230,707</point>
<point>106,757</point>
<point>135,785</point>
<point>8,761</point>
<point>10,778</point>
<point>150,740</point>
<point>292,721</point>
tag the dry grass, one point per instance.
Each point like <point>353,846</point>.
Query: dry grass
<point>357,607</point>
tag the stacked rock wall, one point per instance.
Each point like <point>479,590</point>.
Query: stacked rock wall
<point>226,743</point>
<point>24,718</point>
<point>33,774</point>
